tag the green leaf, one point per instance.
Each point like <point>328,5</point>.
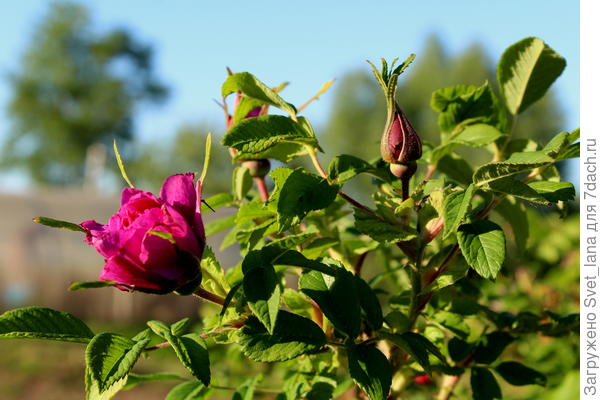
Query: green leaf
<point>193,354</point>
<point>254,210</point>
<point>381,230</point>
<point>370,370</point>
<point>178,328</point>
<point>417,346</point>
<point>241,182</point>
<point>484,385</point>
<point>135,379</point>
<point>525,72</point>
<point>464,105</point>
<point>554,191</point>
<point>190,349</point>
<point>515,164</point>
<point>109,358</point>
<point>515,214</point>
<point>213,275</point>
<point>262,292</point>
<point>491,346</point>
<point>250,86</point>
<point>456,206</point>
<point>218,225</point>
<point>293,336</point>
<point>191,390</point>
<point>477,135</point>
<point>345,167</point>
<point>253,137</point>
<point>121,165</point>
<point>556,144</point>
<point>519,375</point>
<point>207,147</point>
<point>297,193</point>
<point>453,322</point>
<point>217,201</point>
<point>369,303</point>
<point>91,285</point>
<point>483,246</point>
<point>456,168</point>
<point>43,323</point>
<point>518,189</point>
<point>458,349</point>
<point>56,223</point>
<point>337,300</point>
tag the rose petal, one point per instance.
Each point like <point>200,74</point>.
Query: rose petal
<point>178,192</point>
<point>121,270</point>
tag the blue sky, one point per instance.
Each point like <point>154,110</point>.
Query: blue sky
<point>306,43</point>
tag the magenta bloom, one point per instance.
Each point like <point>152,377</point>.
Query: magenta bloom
<point>139,259</point>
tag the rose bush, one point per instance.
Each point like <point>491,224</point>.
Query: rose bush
<point>153,244</point>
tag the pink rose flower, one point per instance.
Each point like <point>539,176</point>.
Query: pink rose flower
<point>140,260</point>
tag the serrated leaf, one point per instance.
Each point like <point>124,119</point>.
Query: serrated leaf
<point>515,164</point>
<point>518,189</point>
<point>369,303</point>
<point>464,104</point>
<point>458,349</point>
<point>345,167</point>
<point>338,301</point>
<point>191,390</point>
<point>293,336</point>
<point>218,225</point>
<point>417,346</point>
<point>491,346</point>
<point>250,86</point>
<point>456,206</point>
<point>477,135</point>
<point>297,193</point>
<point>483,246</point>
<point>525,72</point>
<point>484,385</point>
<point>453,322</point>
<point>178,328</point>
<point>262,292</point>
<point>381,230</point>
<point>193,354</point>
<point>190,349</point>
<point>554,191</point>
<point>43,323</point>
<point>109,358</point>
<point>213,275</point>
<point>371,371</point>
<point>56,223</point>
<point>253,137</point>
<point>518,374</point>
<point>246,389</point>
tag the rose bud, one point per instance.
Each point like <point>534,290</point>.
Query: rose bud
<point>422,380</point>
<point>257,168</point>
<point>153,244</point>
<point>400,143</point>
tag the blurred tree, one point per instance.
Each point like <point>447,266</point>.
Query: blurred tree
<point>74,89</point>
<point>358,114</point>
<point>182,153</point>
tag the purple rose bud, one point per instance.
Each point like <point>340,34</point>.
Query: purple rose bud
<point>400,143</point>
<point>155,263</point>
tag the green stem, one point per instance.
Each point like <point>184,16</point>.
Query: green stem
<point>210,296</point>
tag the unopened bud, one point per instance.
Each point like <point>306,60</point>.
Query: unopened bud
<point>257,168</point>
<point>400,143</point>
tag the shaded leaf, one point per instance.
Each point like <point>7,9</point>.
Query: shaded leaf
<point>483,246</point>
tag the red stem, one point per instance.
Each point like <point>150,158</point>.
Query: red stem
<point>262,188</point>
<point>210,296</point>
